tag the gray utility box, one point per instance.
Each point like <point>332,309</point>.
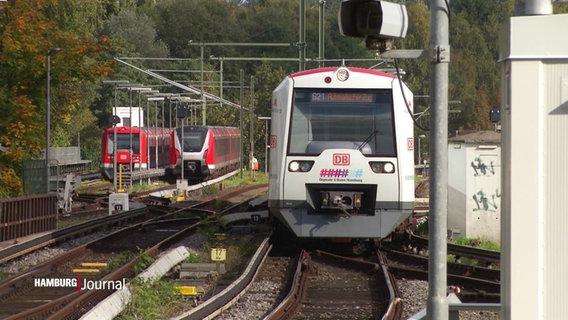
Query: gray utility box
<point>117,202</point>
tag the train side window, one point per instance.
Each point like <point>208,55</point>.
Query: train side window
<point>110,145</point>
<point>300,133</point>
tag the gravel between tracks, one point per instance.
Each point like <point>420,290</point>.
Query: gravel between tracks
<point>35,258</point>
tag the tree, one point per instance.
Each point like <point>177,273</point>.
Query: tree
<point>26,35</point>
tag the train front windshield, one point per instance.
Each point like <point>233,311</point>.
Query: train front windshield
<point>123,142</point>
<point>192,140</point>
<point>342,118</point>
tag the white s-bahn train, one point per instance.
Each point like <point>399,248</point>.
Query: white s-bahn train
<point>342,153</point>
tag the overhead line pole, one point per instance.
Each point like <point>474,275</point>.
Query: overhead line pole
<point>242,97</point>
<point>437,306</point>
<point>204,103</point>
<point>302,36</point>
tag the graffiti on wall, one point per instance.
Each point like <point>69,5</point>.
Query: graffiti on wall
<point>486,181</point>
<point>481,168</point>
<point>486,202</point>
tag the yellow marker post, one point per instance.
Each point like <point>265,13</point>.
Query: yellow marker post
<point>218,254</point>
<point>120,189</point>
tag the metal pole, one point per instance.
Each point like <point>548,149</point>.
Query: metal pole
<point>437,307</point>
<point>47,124</point>
<point>221,80</point>
<point>302,35</point>
<point>265,147</point>
<point>242,97</point>
<point>266,119</point>
<point>51,52</point>
<point>204,115</point>
<point>130,132</point>
<point>252,126</point>
<point>140,151</point>
<point>182,151</point>
<point>321,32</point>
<point>156,129</point>
<point>114,161</point>
<point>419,138</point>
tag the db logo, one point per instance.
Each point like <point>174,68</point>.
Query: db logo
<point>341,159</point>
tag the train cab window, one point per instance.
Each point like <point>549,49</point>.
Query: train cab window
<point>123,142</point>
<point>193,141</point>
<point>193,138</point>
<point>342,119</point>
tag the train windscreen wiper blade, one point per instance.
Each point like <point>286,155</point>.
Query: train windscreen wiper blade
<point>369,138</point>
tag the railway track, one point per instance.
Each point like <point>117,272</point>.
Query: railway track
<point>477,284</point>
<point>24,246</point>
<point>45,290</point>
<point>277,281</point>
<point>305,285</point>
<point>93,215</point>
<point>342,288</point>
<point>473,283</point>
<point>271,283</point>
<point>486,256</point>
<point>114,243</point>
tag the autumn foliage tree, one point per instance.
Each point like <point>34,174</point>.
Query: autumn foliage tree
<point>27,33</point>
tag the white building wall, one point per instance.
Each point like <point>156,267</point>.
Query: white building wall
<point>534,248</point>
<point>457,190</point>
<point>474,192</point>
<point>132,117</point>
<point>483,179</point>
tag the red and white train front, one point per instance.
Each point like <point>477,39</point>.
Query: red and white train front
<point>136,149</point>
<point>341,159</point>
<point>208,151</point>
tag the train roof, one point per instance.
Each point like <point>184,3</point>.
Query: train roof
<point>333,69</point>
<point>127,129</point>
<point>199,128</point>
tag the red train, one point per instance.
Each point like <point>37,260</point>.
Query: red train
<point>208,151</point>
<point>137,148</point>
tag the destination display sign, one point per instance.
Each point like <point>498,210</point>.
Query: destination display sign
<point>342,97</point>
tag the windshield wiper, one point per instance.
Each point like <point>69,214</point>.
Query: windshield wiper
<point>369,138</point>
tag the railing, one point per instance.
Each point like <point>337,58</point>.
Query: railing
<point>23,216</point>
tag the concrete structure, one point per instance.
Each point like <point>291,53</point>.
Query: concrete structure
<point>534,248</point>
<point>474,185</point>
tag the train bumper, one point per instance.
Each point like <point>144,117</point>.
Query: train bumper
<point>309,225</point>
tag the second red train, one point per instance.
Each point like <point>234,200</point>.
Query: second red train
<point>208,151</point>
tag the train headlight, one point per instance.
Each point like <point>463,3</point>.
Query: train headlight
<point>300,166</point>
<point>388,167</point>
<point>382,167</point>
<point>294,166</point>
<point>306,166</point>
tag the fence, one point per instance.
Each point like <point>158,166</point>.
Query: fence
<point>23,216</point>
